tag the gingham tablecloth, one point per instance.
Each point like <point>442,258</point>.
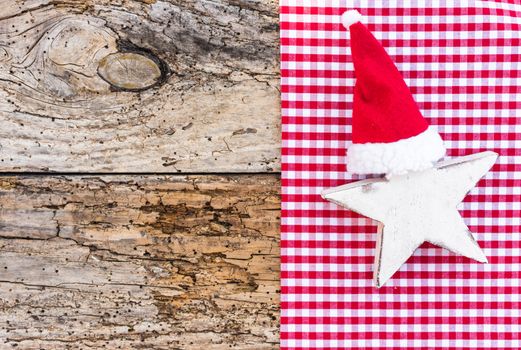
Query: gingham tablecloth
<point>462,61</point>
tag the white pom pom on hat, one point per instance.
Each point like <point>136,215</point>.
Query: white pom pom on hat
<point>351,17</point>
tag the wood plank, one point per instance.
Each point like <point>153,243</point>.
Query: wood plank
<point>139,262</point>
<point>139,86</point>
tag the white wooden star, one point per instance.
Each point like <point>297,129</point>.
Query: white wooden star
<point>416,208</point>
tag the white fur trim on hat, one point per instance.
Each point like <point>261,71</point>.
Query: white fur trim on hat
<point>416,153</point>
<point>351,17</point>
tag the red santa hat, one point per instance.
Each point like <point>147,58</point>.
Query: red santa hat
<point>390,135</point>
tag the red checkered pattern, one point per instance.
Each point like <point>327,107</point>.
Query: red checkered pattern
<point>462,61</point>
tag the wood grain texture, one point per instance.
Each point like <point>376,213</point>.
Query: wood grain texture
<point>139,86</point>
<point>139,262</point>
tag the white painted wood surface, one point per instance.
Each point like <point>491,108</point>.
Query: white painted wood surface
<point>415,208</point>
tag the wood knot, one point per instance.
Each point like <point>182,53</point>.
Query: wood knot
<point>131,71</point>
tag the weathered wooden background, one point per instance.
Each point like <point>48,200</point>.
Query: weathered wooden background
<point>139,194</point>
<point>206,73</point>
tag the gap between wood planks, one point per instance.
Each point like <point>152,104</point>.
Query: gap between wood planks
<point>39,173</point>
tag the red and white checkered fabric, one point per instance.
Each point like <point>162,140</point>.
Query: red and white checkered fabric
<point>462,61</point>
